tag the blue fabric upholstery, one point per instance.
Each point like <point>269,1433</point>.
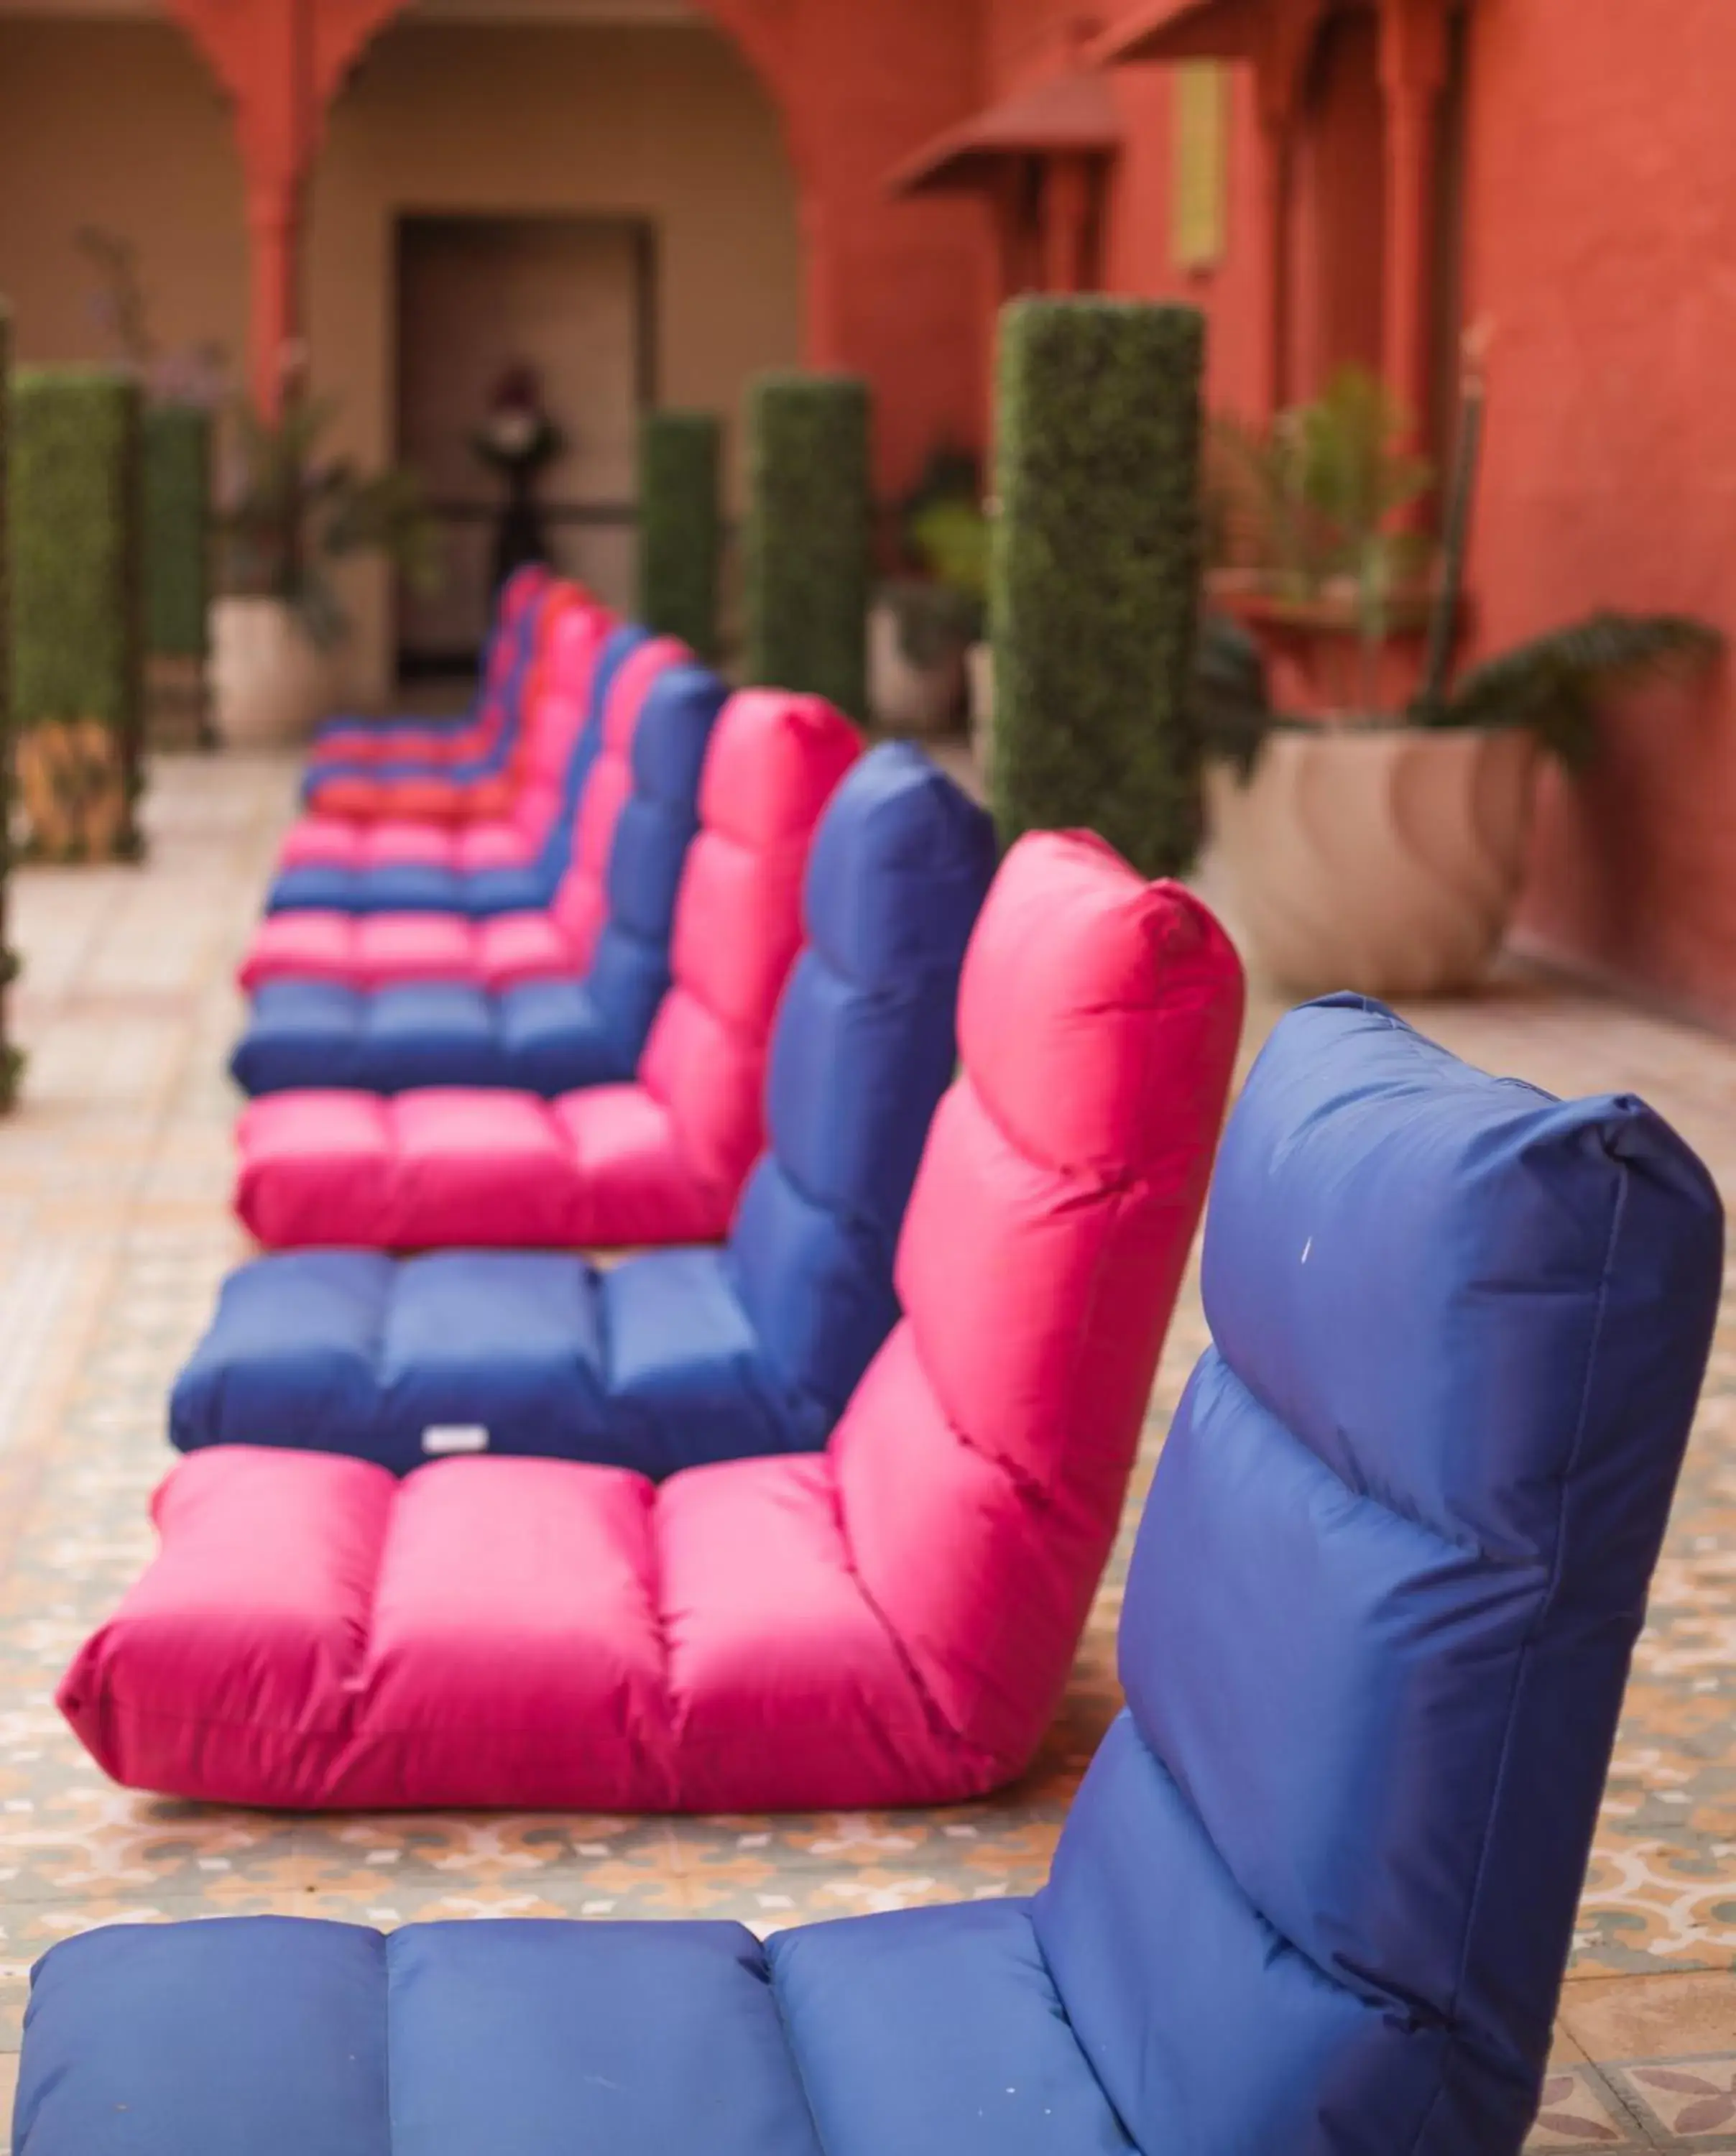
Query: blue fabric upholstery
<point>933,2032</point>
<point>678,1356</point>
<point>1379,1612</point>
<point>522,633</point>
<point>412,887</point>
<point>545,1037</point>
<point>1316,1892</point>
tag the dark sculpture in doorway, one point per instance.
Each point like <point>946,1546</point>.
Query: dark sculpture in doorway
<point>519,440</point>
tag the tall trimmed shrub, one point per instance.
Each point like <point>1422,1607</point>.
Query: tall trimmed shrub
<point>806,559</point>
<point>177,530</point>
<point>680,526</point>
<point>1094,575</point>
<point>10,1061</point>
<point>78,653</point>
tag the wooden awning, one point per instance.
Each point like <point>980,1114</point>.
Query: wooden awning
<point>1070,114</point>
<point>1180,30</point>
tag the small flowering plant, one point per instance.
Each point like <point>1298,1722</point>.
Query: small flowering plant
<point>517,438</point>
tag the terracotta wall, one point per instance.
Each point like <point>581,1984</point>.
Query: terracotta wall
<point>898,291</point>
<point>1602,244</point>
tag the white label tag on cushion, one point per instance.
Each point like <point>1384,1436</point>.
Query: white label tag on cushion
<point>455,1437</point>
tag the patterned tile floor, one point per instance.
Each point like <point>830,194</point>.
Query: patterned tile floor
<point>113,1237</point>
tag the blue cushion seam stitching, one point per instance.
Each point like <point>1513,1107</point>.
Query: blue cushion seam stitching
<point>1539,1616</point>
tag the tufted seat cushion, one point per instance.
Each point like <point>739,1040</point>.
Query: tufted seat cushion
<point>453,769</point>
<point>660,1159</point>
<point>934,2032</point>
<point>889,1621</point>
<point>612,917</point>
<point>497,817</point>
<point>1317,1891</point>
<point>507,865</point>
<point>676,1356</point>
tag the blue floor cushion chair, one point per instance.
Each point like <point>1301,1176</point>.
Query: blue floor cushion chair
<point>437,887</point>
<point>460,748</point>
<point>545,1036</point>
<point>1316,1893</point>
<point>680,1355</point>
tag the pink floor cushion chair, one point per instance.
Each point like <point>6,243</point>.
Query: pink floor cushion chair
<point>661,1159</point>
<point>1316,1894</point>
<point>889,1621</point>
<point>687,1353</point>
<point>459,767</point>
<point>576,1022</point>
<point>558,703</point>
<point>366,952</point>
<point>465,881</point>
<point>348,739</point>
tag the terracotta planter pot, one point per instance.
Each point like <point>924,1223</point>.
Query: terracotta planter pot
<point>906,698</point>
<point>270,686</point>
<point>1382,859</point>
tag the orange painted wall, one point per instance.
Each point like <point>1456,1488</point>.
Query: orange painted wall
<point>1601,240</point>
<point>902,287</point>
<point>1602,243</point>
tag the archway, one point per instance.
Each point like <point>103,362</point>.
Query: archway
<point>610,204</point>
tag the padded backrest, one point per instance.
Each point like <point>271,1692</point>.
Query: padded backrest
<point>548,807</point>
<point>774,760</point>
<point>509,659</point>
<point>512,633</point>
<point>1318,1889</point>
<point>580,901</point>
<point>629,971</point>
<point>561,684</point>
<point>982,1461</point>
<point>862,1049</point>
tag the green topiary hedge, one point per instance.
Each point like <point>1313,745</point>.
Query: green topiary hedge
<point>11,1060</point>
<point>1094,578</point>
<point>77,503</point>
<point>680,526</point>
<point>177,530</point>
<point>806,557</point>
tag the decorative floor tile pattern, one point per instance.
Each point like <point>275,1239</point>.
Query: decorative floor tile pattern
<point>113,1237</point>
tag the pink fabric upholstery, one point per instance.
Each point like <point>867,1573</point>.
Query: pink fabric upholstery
<point>661,1160</point>
<point>581,904</point>
<point>557,702</point>
<point>362,742</point>
<point>889,1622</point>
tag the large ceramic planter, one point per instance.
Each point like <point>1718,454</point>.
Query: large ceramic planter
<point>1385,860</point>
<point>904,696</point>
<point>270,686</point>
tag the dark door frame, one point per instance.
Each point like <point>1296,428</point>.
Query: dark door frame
<point>613,515</point>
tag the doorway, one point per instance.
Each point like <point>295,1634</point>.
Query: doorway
<point>570,299</point>
<point>1338,239</point>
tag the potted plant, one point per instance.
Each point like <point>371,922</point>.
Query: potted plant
<point>1309,533</point>
<point>1382,850</point>
<point>923,623</point>
<point>288,516</point>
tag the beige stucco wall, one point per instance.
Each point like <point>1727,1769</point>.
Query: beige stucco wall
<point>117,123</point>
<point>665,123</point>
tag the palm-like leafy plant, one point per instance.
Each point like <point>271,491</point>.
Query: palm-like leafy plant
<point>1554,683</point>
<point>290,514</point>
<point>1316,495</point>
